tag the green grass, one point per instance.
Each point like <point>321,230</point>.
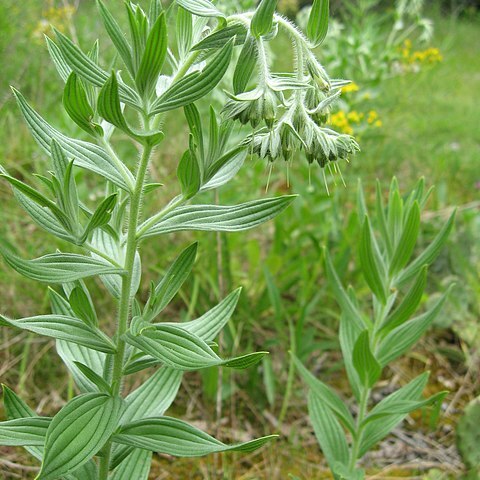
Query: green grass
<point>430,128</point>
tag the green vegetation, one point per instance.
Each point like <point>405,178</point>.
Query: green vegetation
<point>429,128</point>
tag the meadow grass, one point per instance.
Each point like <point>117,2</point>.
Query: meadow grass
<point>430,128</point>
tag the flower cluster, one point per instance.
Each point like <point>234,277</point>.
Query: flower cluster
<point>291,112</point>
<point>350,122</point>
<point>60,17</point>
<point>430,55</point>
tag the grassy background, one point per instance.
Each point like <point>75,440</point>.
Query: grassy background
<point>430,129</point>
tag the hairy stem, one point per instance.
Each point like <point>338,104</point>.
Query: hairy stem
<point>126,294</point>
<point>359,429</point>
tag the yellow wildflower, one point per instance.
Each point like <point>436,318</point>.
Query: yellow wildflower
<point>351,87</point>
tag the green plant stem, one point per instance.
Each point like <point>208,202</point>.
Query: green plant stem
<point>126,294</point>
<point>365,396</point>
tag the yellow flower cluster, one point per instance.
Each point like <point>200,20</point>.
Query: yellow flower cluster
<point>59,17</point>
<point>346,122</point>
<point>429,55</point>
<point>351,87</point>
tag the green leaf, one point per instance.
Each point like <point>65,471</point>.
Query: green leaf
<point>408,305</point>
<point>38,198</point>
<point>219,218</point>
<point>348,307</point>
<point>317,26</point>
<point>188,173</point>
<point>395,213</point>
<point>209,325</point>
<point>101,216</point>
<point>262,20</point>
<point>89,71</point>
<point>371,263</point>
<point>374,432</point>
<point>171,283</point>
<point>23,432</point>
<point>406,244</point>
<point>117,36</point>
<point>175,437</point>
<point>86,155</point>
<point>64,328</point>
<point>182,350</point>
<point>153,57</point>
<point>61,65</point>
<point>348,335</point>
<point>94,377</point>
<point>201,8</point>
<point>402,338</point>
<point>219,38</point>
<point>365,363</point>
<point>400,406</point>
<point>78,432</point>
<point>76,105</point>
<point>382,220</point>
<point>326,395</point>
<point>59,267</point>
<point>328,431</point>
<point>246,63</point>
<point>429,254</point>
<point>195,85</point>
<point>184,32</point>
<point>135,466</point>
<point>154,397</point>
<point>224,169</point>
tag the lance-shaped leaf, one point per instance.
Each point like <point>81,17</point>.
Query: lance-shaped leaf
<point>182,350</point>
<point>406,244</point>
<point>374,432</point>
<point>101,216</point>
<point>209,325</point>
<point>219,218</point>
<point>76,105</point>
<point>110,109</point>
<point>78,432</point>
<point>317,26</point>
<point>184,32</point>
<point>16,408</point>
<point>87,69</point>
<point>348,307</point>
<point>59,267</point>
<point>365,363</point>
<point>134,466</point>
<point>218,38</point>
<point>402,338</point>
<point>224,169</point>
<point>408,305</point>
<point>175,437</point>
<point>262,20</point>
<point>85,155</point>
<point>429,254</point>
<point>23,432</point>
<point>55,53</point>
<point>153,56</point>
<point>37,197</point>
<point>326,395</point>
<point>66,328</point>
<point>201,8</point>
<point>371,262</point>
<point>171,282</point>
<point>246,63</point>
<point>188,174</point>
<point>117,36</point>
<point>400,406</point>
<point>95,378</point>
<point>329,432</point>
<point>195,85</point>
<point>154,397</point>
